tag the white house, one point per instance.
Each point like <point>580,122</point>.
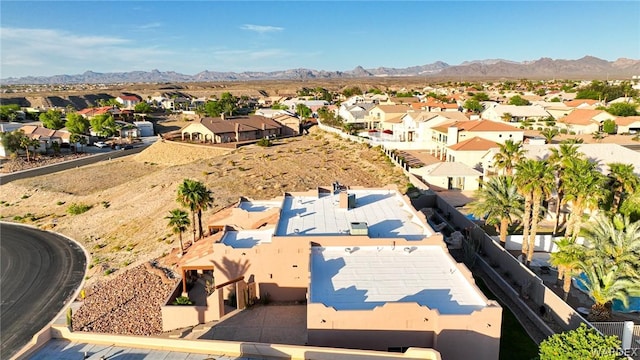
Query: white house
<point>145,128</point>
<point>517,113</point>
<point>129,101</point>
<point>355,113</point>
<point>449,175</point>
<point>584,121</point>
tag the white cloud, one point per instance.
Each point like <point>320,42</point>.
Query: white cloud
<point>261,28</point>
<point>50,51</point>
<point>149,26</point>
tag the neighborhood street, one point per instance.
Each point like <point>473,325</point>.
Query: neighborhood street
<point>40,271</point>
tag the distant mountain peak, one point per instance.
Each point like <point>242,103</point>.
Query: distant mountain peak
<point>588,67</point>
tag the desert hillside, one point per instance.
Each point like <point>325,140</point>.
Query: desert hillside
<point>130,197</point>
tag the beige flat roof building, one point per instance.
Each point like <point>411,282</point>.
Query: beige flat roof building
<point>373,273</point>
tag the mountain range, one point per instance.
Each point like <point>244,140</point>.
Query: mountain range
<point>588,67</point>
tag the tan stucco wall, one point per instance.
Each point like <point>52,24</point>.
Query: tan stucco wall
<point>232,348</point>
<point>408,324</point>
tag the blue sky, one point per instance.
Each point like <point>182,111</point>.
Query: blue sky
<point>56,37</point>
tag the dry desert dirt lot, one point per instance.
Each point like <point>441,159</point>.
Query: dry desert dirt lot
<point>131,196</point>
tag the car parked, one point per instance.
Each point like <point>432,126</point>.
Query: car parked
<point>101,144</point>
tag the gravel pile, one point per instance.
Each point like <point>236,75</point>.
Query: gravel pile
<point>128,305</point>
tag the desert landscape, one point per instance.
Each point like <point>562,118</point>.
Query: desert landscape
<point>131,196</point>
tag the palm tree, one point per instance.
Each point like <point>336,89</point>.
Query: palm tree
<point>567,259</point>
<point>188,197</point>
<point>178,222</point>
<point>622,182</point>
<point>506,117</point>
<point>584,188</point>
<point>499,202</point>
<point>508,155</point>
<point>614,241</point>
<point>549,134</point>
<point>559,159</point>
<point>605,284</point>
<point>535,178</point>
<point>27,142</point>
<point>195,196</point>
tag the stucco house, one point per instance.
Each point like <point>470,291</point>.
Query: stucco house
<point>449,175</point>
<point>355,113</point>
<point>515,113</point>
<point>129,101</point>
<point>372,271</point>
<point>415,126</point>
<point>448,134</point>
<point>584,121</point>
<point>231,129</point>
<point>381,113</point>
<point>628,124</point>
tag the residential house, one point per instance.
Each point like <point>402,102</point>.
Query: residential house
<point>231,129</point>
<point>46,137</point>
<point>449,175</point>
<point>355,113</point>
<point>373,273</point>
<point>381,113</point>
<point>271,113</point>
<point>415,126</point>
<point>584,121</point>
<point>145,128</point>
<point>314,105</point>
<point>514,113</point>
<point>622,99</point>
<point>291,125</point>
<point>583,103</point>
<point>129,101</point>
<point>628,124</point>
<point>448,134</point>
<point>471,151</point>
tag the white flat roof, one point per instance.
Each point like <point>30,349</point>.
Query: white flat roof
<point>385,212</point>
<point>370,276</point>
<point>246,239</point>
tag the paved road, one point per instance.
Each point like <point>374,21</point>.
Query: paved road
<point>44,170</point>
<point>40,271</point>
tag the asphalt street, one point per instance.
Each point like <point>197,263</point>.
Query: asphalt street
<point>39,273</point>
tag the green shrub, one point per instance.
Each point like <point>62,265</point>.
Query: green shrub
<point>183,300</point>
<point>581,343</point>
<point>78,208</point>
<point>25,196</point>
<point>109,271</point>
<point>60,203</point>
<point>563,131</point>
<point>264,142</point>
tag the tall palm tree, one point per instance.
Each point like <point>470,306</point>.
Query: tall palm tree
<point>559,159</point>
<point>535,178</point>
<point>195,196</point>
<point>567,259</point>
<point>583,184</point>
<point>498,200</point>
<point>204,203</point>
<point>188,197</point>
<point>178,222</point>
<point>622,182</point>
<point>508,155</point>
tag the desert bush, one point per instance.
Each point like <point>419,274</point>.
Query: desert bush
<point>264,142</point>
<point>78,208</point>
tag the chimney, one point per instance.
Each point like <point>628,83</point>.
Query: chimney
<point>237,131</point>
<point>222,117</point>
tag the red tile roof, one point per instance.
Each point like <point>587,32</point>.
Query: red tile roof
<point>474,144</point>
<point>580,117</point>
<point>476,125</point>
